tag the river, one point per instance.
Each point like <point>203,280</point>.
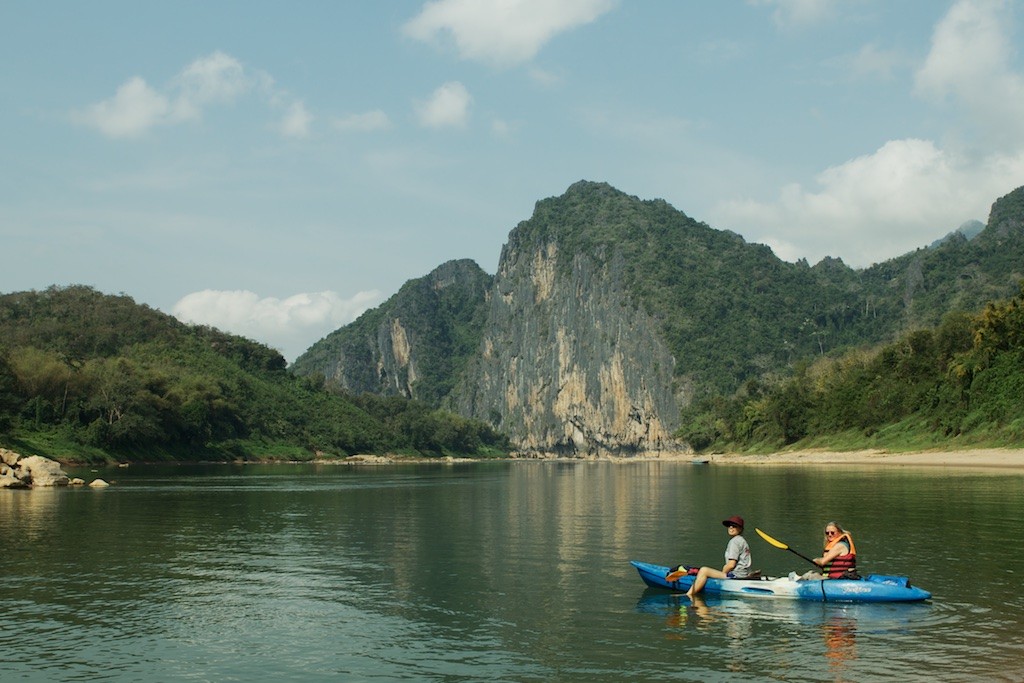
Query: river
<point>506,571</point>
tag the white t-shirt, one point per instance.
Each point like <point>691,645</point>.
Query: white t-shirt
<point>738,550</point>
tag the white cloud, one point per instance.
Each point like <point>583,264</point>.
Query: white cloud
<point>448,106</point>
<point>875,207</point>
<point>365,122</point>
<point>132,111</point>
<point>291,325</point>
<point>137,107</point>
<point>797,12</point>
<point>501,32</point>
<point>296,121</point>
<point>216,79</point>
<point>970,62</point>
<point>967,43</point>
<point>909,192</point>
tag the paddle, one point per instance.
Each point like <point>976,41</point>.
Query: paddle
<point>779,544</point>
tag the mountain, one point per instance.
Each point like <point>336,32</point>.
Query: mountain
<point>415,345</point>
<point>609,313</point>
<point>88,376</point>
<point>961,274</point>
<point>968,230</point>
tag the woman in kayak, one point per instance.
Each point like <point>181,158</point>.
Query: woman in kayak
<point>839,557</point>
<point>840,554</point>
<point>737,558</point>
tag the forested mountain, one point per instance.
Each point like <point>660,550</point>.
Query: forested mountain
<point>86,376</point>
<point>960,274</point>
<point>608,314</point>
<point>443,314</point>
<point>958,383</point>
<point>613,324</point>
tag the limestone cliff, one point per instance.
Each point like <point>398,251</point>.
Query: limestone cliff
<point>569,363</point>
<point>608,314</point>
<point>552,350</point>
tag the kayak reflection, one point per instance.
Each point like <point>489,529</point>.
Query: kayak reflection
<point>837,624</point>
<point>887,617</point>
<point>840,633</point>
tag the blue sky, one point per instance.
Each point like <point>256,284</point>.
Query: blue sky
<point>274,169</point>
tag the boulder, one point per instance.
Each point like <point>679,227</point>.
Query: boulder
<point>9,458</point>
<point>9,481</point>
<point>98,484</point>
<point>40,471</point>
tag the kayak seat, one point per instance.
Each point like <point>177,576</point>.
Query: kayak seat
<point>756,574</point>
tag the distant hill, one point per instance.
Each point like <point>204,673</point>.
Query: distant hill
<point>87,376</point>
<point>609,313</point>
<point>961,274</point>
<point>968,230</point>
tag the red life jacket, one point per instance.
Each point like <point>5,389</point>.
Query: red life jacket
<point>838,566</point>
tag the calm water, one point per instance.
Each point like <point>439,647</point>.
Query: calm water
<point>498,571</point>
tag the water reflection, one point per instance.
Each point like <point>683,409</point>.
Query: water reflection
<point>802,631</point>
<point>34,510</point>
<point>840,632</point>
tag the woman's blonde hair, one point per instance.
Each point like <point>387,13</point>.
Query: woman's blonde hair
<point>839,528</point>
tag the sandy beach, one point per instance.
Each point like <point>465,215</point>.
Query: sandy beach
<point>1002,458</point>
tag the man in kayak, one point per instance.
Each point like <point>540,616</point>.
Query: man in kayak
<point>839,557</point>
<point>737,558</point>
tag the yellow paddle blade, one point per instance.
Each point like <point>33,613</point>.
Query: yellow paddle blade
<point>775,542</point>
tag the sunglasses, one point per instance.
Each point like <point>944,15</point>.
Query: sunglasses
<point>831,533</point>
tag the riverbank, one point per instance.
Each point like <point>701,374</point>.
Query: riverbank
<point>989,458</point>
<point>1000,458</point>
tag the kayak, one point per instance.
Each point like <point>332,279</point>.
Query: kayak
<point>870,588</point>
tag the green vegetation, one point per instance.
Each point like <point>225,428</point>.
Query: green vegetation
<point>732,312</point>
<point>960,382</point>
<point>768,353</point>
<point>443,315</point>
<point>84,376</point>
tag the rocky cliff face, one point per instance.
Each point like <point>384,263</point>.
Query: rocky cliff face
<point>568,362</point>
<point>552,350</point>
<point>415,344</point>
<point>609,313</point>
<point>1006,219</point>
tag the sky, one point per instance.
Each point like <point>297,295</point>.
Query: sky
<point>274,169</point>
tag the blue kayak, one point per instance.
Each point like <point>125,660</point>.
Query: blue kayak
<point>871,588</point>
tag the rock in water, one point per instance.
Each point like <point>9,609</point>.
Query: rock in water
<point>9,481</point>
<point>39,471</point>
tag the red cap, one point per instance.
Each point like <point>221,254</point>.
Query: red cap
<point>735,520</point>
